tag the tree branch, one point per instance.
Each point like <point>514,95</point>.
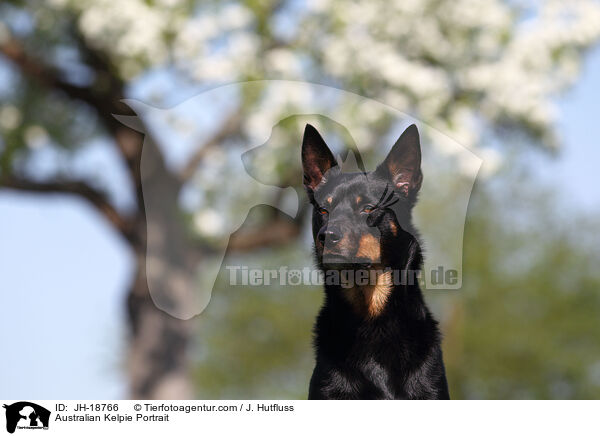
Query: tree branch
<point>45,74</point>
<point>230,125</point>
<point>105,101</point>
<point>276,232</point>
<point>78,188</point>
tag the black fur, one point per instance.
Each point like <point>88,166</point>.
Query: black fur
<point>362,353</point>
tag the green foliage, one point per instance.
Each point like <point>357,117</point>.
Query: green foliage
<point>255,341</point>
<point>530,299</point>
<point>525,324</point>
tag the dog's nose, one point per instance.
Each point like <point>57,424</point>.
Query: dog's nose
<point>331,234</point>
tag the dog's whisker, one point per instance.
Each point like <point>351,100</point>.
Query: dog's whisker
<point>383,195</point>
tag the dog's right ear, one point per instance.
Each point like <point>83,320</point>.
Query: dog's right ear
<point>403,163</point>
<point>317,159</point>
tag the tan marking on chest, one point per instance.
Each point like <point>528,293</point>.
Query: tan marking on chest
<point>376,296</point>
<point>369,301</point>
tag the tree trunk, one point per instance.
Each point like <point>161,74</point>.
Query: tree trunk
<point>158,365</point>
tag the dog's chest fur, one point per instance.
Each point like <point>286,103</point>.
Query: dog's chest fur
<point>395,356</point>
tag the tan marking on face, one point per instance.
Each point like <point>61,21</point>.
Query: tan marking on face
<point>343,245</point>
<point>394,228</point>
<point>358,199</point>
<point>369,248</point>
<point>329,200</point>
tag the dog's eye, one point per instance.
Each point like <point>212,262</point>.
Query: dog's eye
<point>368,208</point>
<point>323,211</point>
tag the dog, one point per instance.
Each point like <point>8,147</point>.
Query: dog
<point>374,339</point>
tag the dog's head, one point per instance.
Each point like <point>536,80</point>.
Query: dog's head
<point>362,219</point>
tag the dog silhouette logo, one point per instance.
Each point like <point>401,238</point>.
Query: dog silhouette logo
<point>26,415</point>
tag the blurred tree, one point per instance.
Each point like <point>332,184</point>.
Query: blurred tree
<point>464,67</point>
<point>524,325</point>
<point>529,322</point>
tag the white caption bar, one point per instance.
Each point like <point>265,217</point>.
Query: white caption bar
<point>297,417</point>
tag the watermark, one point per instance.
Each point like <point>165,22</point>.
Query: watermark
<point>234,149</point>
<point>345,278</point>
<point>25,415</point>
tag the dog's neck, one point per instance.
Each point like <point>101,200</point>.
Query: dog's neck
<point>370,300</point>
<point>388,285</point>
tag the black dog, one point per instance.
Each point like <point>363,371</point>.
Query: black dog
<point>374,339</point>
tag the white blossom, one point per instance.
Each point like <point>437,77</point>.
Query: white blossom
<point>36,136</point>
<point>10,117</point>
<point>417,55</point>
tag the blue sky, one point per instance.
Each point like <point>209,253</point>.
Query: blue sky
<point>63,276</point>
<point>64,273</point>
<point>576,172</point>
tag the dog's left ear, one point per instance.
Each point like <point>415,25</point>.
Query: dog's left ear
<point>403,163</point>
<point>317,159</point>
